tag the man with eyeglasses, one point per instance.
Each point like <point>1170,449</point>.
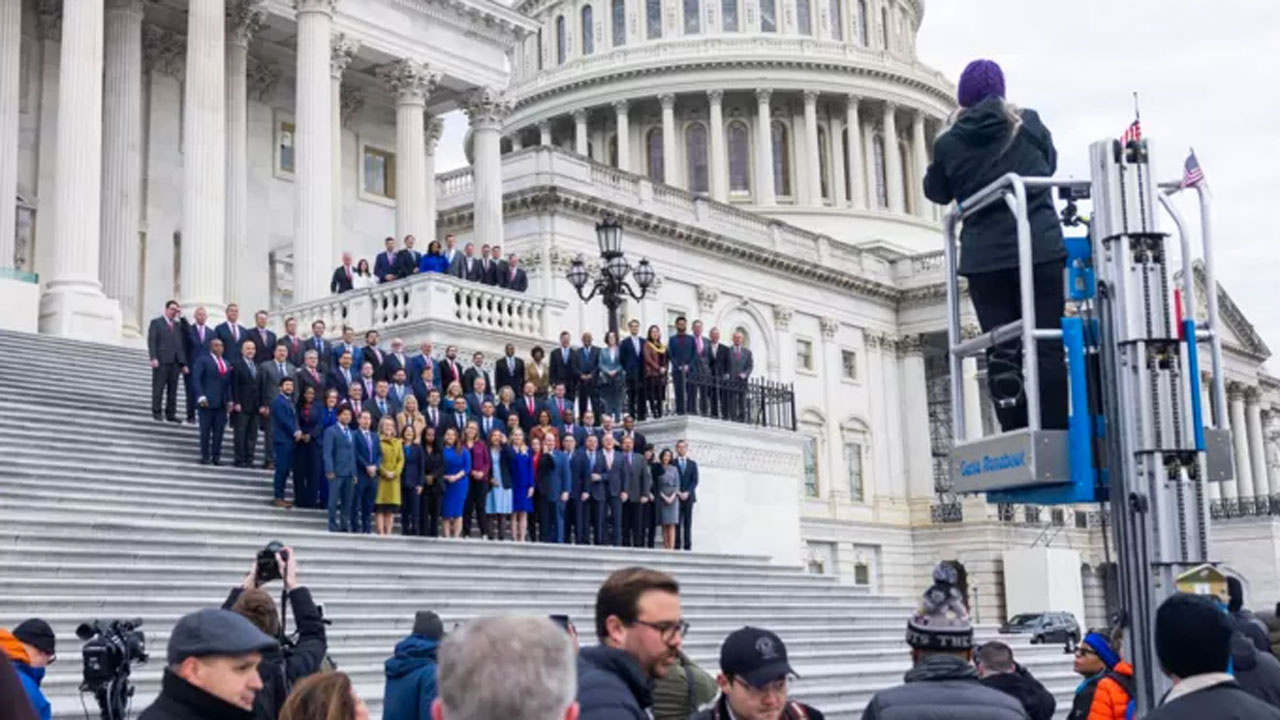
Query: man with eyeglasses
<point>640,630</point>
<point>753,680</point>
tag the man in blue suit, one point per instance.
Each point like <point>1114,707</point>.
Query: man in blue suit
<point>212,387</point>
<point>422,360</point>
<point>232,334</point>
<point>631,355</point>
<point>340,470</point>
<point>682,350</point>
<point>582,500</point>
<point>688,470</point>
<point>556,495</point>
<point>347,345</point>
<point>284,439</point>
<point>606,493</point>
<point>201,334</point>
<point>586,368</point>
<point>384,266</point>
<point>368,456</point>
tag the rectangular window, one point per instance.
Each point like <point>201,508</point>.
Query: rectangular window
<point>672,314</point>
<point>816,567</point>
<point>692,20</point>
<point>653,19</point>
<point>619,23</point>
<point>285,136</point>
<point>1005,512</point>
<point>379,173</point>
<point>853,462</point>
<point>803,23</point>
<point>1082,520</point>
<point>729,15</point>
<point>1031,514</point>
<point>849,364</point>
<point>804,354</point>
<point>1058,517</point>
<point>861,574</point>
<point>811,468</point>
<point>768,21</point>
<point>837,20</point>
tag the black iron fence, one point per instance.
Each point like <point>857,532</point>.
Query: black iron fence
<point>751,402</point>
<point>1264,506</point>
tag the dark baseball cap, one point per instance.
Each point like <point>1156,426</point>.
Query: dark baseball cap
<point>756,655</point>
<point>36,633</point>
<point>428,625</point>
<point>216,632</point>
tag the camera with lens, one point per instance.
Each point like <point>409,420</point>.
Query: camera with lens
<point>268,568</point>
<point>111,648</point>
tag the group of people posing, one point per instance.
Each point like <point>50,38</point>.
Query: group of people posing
<point>489,268</point>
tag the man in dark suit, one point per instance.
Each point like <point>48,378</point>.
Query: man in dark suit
<point>420,361</point>
<point>561,368</point>
<point>285,435</point>
<point>590,495</point>
<point>167,352</point>
<point>586,368</point>
<point>629,431</point>
<point>476,371</point>
<point>356,400</point>
<point>574,430</point>
<point>435,415</point>
<point>488,420</point>
<point>637,488</point>
<point>382,404</point>
<point>373,354</point>
<point>407,259</point>
<point>384,266</point>
<point>718,367</point>
<point>368,457</point>
<point>339,457</point>
<point>309,376</point>
<point>681,351</point>
<point>211,379</point>
<point>291,341</point>
<point>450,371</point>
<point>610,470</point>
<point>341,376</point>
<point>231,333</point>
<point>740,366</point>
<point>246,401</point>
<point>478,396</point>
<point>395,360</point>
<point>348,345</point>
<point>457,417</point>
<point>556,493</point>
<point>264,341</point>
<point>342,276</point>
<point>699,398</point>
<point>509,371</point>
<point>451,253</point>
<point>272,372</point>
<point>399,390</point>
<point>468,266</point>
<point>513,276</point>
<point>201,334</point>
<point>631,355</point>
<point>527,407</point>
<point>368,380</point>
<point>189,351</point>
<point>324,352</point>
<point>488,266</point>
<point>688,470</point>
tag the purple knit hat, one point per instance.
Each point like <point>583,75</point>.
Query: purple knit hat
<point>980,80</point>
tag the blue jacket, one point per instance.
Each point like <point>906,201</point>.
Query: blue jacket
<point>339,454</point>
<point>433,263</point>
<point>208,383</point>
<point>611,685</point>
<point>30,678</point>
<point>688,478</point>
<point>411,679</point>
<point>284,419</point>
<point>682,351</point>
<point>367,453</point>
<point>562,475</point>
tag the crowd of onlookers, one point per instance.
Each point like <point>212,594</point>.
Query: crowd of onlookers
<point>489,268</point>
<point>543,447</point>
<point>235,663</point>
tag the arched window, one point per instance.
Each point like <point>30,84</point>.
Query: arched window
<point>562,49</point>
<point>836,8</point>
<point>882,185</point>
<point>729,15</point>
<point>739,151</point>
<point>613,150</point>
<point>804,24</point>
<point>588,34</point>
<point>904,152</point>
<point>824,163</point>
<point>653,148</point>
<point>692,20</point>
<point>695,157</point>
<point>619,23</point>
<point>768,16</point>
<point>884,28</point>
<point>864,34</point>
<point>781,159</point>
<point>653,18</point>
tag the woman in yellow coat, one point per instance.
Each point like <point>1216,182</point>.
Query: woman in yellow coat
<point>387,502</point>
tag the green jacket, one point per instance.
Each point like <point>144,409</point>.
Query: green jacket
<point>672,694</point>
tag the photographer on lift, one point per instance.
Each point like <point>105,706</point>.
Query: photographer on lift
<point>295,659</point>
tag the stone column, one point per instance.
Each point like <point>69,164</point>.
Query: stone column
<point>544,133</point>
<point>10,47</point>
<point>341,51</point>
<point>1269,450</point>
<point>73,304</point>
<point>915,422</point>
<point>313,212</point>
<point>580,144</point>
<point>719,174</point>
<point>517,144</point>
<point>972,399</point>
<point>432,129</point>
<point>920,158</point>
<point>410,81</point>
<point>244,17</point>
<point>853,147</point>
<point>622,110</point>
<point>121,159</point>
<point>893,160</point>
<point>1242,486</point>
<point>49,30</point>
<point>837,162</point>
<point>671,174</point>
<point>1257,443</point>
<point>811,150</point>
<point>487,108</point>
<point>764,150</point>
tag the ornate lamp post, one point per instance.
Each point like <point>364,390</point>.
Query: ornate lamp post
<point>612,282</point>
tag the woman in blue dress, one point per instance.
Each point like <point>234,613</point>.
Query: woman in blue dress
<point>497,506</point>
<point>434,260</point>
<point>457,467</point>
<point>521,461</point>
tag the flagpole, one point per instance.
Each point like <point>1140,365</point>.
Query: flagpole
<point>1136,116</point>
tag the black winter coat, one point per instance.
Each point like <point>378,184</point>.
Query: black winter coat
<point>1036,700</point>
<point>975,152</point>
<point>180,700</point>
<point>280,673</point>
<point>1226,701</point>
<point>611,685</point>
<point>942,687</point>
<point>1257,672</point>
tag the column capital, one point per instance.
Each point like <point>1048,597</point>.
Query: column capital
<point>715,96</point>
<point>261,77</point>
<point>341,51</point>
<point>890,108</point>
<point>321,6</point>
<point>910,345</point>
<point>668,101</point>
<point>164,51</point>
<point>969,331</point>
<point>1235,391</point>
<point>810,97</point>
<point>830,326</point>
<point>1252,394</point>
<point>487,108</point>
<point>411,81</point>
<point>917,117</point>
<point>707,297</point>
<point>852,100</point>
<point>350,102</point>
<point>432,128</point>
<point>544,126</point>
<point>763,95</point>
<point>132,7</point>
<point>49,20</point>
<point>244,19</point>
<point>782,315</point>
<point>621,106</point>
<point>580,115</point>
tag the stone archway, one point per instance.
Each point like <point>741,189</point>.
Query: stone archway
<point>760,338</point>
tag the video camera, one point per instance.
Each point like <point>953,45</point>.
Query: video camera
<point>111,648</point>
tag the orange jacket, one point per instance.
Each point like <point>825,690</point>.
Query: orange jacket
<point>12,647</point>
<point>1104,696</point>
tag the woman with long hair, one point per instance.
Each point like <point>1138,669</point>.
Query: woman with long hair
<point>536,372</point>
<point>411,417</point>
<point>611,376</point>
<point>433,260</point>
<point>387,502</point>
<point>668,486</point>
<point>451,393</point>
<point>522,459</point>
<point>411,482</point>
<point>306,470</point>
<point>326,695</point>
<point>480,477</point>
<point>544,466</point>
<point>988,138</point>
<point>506,406</point>
<point>497,507</point>
<point>457,468</point>
<point>655,370</point>
<point>433,490</point>
<point>362,278</point>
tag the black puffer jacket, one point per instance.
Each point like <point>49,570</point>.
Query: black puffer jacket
<point>611,685</point>
<point>943,687</point>
<point>1036,700</point>
<point>975,152</point>
<point>180,700</point>
<point>1225,701</point>
<point>279,673</point>
<point>1257,672</point>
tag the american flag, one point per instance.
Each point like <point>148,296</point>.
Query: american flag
<point>1192,175</point>
<point>1133,133</point>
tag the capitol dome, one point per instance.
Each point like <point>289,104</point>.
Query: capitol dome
<point>746,101</point>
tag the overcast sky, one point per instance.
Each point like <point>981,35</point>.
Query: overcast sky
<point>1208,76</point>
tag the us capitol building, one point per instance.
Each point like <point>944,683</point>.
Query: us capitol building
<point>765,155</point>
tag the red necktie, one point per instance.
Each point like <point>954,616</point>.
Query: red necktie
<point>529,401</point>
<point>295,344</point>
<point>348,271</point>
<point>314,376</point>
<point>222,368</point>
<point>235,333</point>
